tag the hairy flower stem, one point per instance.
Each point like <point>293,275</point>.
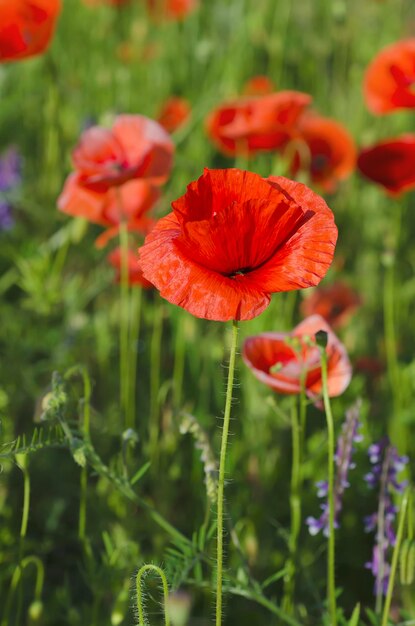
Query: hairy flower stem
<point>135,318</point>
<point>155,379</point>
<point>380,538</point>
<point>395,557</point>
<point>178,367</point>
<point>84,471</point>
<point>297,430</point>
<point>139,592</point>
<point>331,585</point>
<point>124,322</point>
<point>222,467</point>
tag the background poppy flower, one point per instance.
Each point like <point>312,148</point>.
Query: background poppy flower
<point>135,147</point>
<point>26,27</point>
<point>258,86</point>
<point>390,78</point>
<point>174,113</point>
<point>171,9</point>
<point>249,125</point>
<point>233,239</point>
<point>329,154</point>
<point>335,303</point>
<point>279,362</point>
<point>135,275</point>
<point>390,163</point>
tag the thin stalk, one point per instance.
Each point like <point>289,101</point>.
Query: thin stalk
<point>17,575</point>
<point>155,377</point>
<point>139,592</point>
<point>295,506</point>
<point>135,319</point>
<point>221,480</point>
<point>331,584</point>
<point>380,535</point>
<point>395,558</point>
<point>86,418</point>
<point>124,319</point>
<point>178,367</point>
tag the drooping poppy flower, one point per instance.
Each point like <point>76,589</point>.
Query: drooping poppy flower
<point>171,9</point>
<point>135,275</point>
<point>280,360</point>
<point>26,27</point>
<point>326,151</point>
<point>258,86</point>
<point>249,125</point>
<point>174,113</point>
<point>390,163</point>
<point>233,239</point>
<point>335,303</point>
<point>389,82</point>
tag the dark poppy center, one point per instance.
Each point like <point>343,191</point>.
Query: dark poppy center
<point>319,163</point>
<point>239,272</point>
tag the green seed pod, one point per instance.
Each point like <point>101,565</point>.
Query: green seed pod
<point>407,562</point>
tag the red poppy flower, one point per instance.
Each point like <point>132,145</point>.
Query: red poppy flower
<point>171,9</point>
<point>390,163</point>
<point>335,303</point>
<point>135,147</point>
<point>327,153</point>
<point>174,113</point>
<point>233,239</point>
<point>26,27</point>
<point>389,82</point>
<point>281,359</point>
<point>258,86</point>
<point>135,275</point>
<point>130,202</point>
<point>249,125</point>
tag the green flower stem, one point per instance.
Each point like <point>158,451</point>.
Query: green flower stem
<point>84,471</point>
<point>297,430</point>
<point>222,467</point>
<point>135,319</point>
<point>331,585</point>
<point>155,377</point>
<point>139,592</point>
<point>178,367</point>
<point>395,557</point>
<point>17,575</point>
<point>124,320</point>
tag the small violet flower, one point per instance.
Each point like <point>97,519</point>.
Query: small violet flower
<point>343,459</point>
<point>10,177</point>
<point>386,465</point>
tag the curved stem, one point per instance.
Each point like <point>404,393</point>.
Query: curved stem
<point>395,557</point>
<point>222,467</point>
<point>139,592</point>
<point>17,574</point>
<point>331,585</point>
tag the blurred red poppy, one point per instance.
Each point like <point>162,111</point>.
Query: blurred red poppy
<point>171,9</point>
<point>233,239</point>
<point>335,303</point>
<point>26,27</point>
<point>325,150</point>
<point>115,3</point>
<point>130,202</point>
<point>389,82</point>
<point>135,147</point>
<point>252,124</point>
<point>135,275</point>
<point>258,86</point>
<point>280,360</point>
<point>174,113</point>
<point>390,163</point>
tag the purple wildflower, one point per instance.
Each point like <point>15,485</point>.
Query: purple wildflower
<point>10,177</point>
<point>10,169</point>
<point>386,465</point>
<point>343,458</point>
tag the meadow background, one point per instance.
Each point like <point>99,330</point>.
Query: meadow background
<point>59,313</point>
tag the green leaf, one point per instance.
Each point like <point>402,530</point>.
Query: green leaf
<point>354,620</point>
